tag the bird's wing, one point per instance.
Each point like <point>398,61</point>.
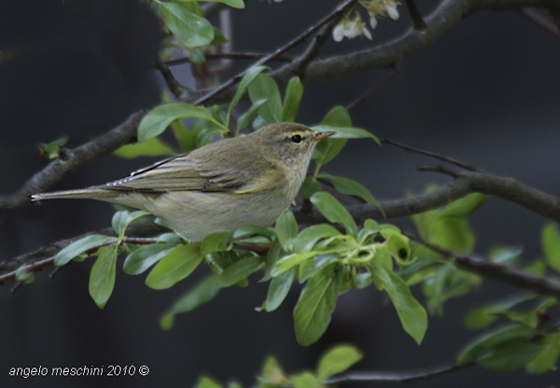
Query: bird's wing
<point>227,171</point>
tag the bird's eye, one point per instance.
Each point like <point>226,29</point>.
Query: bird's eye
<point>296,138</point>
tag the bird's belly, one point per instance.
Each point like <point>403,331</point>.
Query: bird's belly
<point>194,215</point>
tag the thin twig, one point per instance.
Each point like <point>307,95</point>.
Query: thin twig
<point>492,270</point>
<point>301,62</point>
<point>431,154</point>
<point>395,377</point>
<point>365,95</point>
<point>174,86</point>
<point>417,20</point>
<point>249,56</point>
<point>278,52</point>
<point>539,21</point>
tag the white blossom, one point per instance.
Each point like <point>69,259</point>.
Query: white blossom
<point>350,29</point>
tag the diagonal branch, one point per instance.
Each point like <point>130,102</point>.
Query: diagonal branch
<point>395,377</point>
<point>508,189</point>
<point>311,30</point>
<point>172,83</point>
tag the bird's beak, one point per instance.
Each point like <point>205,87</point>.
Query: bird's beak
<point>322,135</point>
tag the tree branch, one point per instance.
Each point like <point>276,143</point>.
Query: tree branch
<point>508,189</point>
<point>174,86</point>
<point>395,377</point>
<point>74,159</point>
<point>311,30</point>
<point>502,273</point>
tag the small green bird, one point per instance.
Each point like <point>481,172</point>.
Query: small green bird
<point>222,186</point>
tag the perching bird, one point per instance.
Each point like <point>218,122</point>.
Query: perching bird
<point>222,186</point>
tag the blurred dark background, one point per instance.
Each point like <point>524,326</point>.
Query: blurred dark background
<point>486,93</point>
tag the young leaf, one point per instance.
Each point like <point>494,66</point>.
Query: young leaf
<point>337,360</point>
<point>79,247</point>
<point>481,317</point>
<point>102,276</point>
<point>190,29</point>
<point>412,315</point>
<point>249,115</point>
<point>215,242</point>
<point>239,271</point>
<point>203,292</point>
<point>243,85</point>
<point>452,233</point>
<point>286,230</point>
<point>143,258</point>
<point>155,122</point>
<point>151,147</point>
<point>294,92</point>
<point>305,241</point>
<point>327,149</point>
<point>263,87</point>
<point>334,211</point>
<point>23,275</point>
<point>547,358</point>
<point>507,348</point>
<point>550,242</point>
<point>278,289</point>
<point>122,219</point>
<point>288,262</point>
<point>177,265</point>
<point>315,306</point>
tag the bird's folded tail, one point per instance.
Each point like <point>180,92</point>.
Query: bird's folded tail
<point>91,193</point>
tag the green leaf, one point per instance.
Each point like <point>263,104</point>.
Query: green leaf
<point>249,115</point>
<point>207,382</point>
<point>334,211</point>
<point>151,147</point>
<point>278,289</point>
<point>481,317</point>
<point>243,85</point>
<point>122,219</point>
<point>215,242</point>
<point>464,207</point>
<point>306,240</point>
<point>337,360</point>
<point>143,258</point>
<point>219,38</point>
<point>177,265</point>
<point>316,303</point>
<point>326,150</point>
<point>190,29</point>
<point>550,242</point>
<point>102,275</point>
<point>23,275</point>
<point>263,87</point>
<point>202,293</point>
<point>232,3</point>
<point>453,233</point>
<point>412,315</point>
<point>286,230</point>
<point>346,132</point>
<point>310,186</point>
<point>155,122</point>
<point>196,56</point>
<point>294,93</point>
<point>548,357</point>
<point>507,348</point>
<point>52,150</point>
<point>79,247</point>
<point>239,271</point>
<point>305,380</point>
<point>290,261</point>
<point>351,187</point>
